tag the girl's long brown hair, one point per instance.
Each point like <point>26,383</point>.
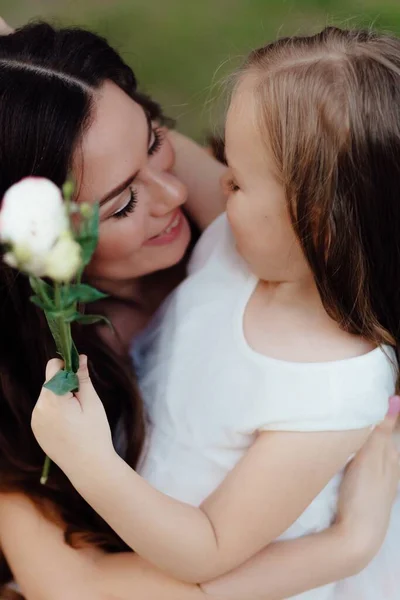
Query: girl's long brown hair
<point>47,81</point>
<point>328,106</point>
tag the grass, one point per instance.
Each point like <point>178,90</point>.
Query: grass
<point>181,49</point>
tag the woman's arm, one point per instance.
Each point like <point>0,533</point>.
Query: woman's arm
<point>47,568</point>
<point>44,566</point>
<point>312,561</point>
<point>201,173</point>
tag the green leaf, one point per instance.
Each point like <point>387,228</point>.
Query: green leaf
<point>43,290</point>
<point>88,319</point>
<point>88,246</point>
<point>94,221</point>
<point>63,382</point>
<point>80,292</point>
<point>35,284</point>
<point>89,236</point>
<point>38,302</point>
<point>55,329</point>
<point>91,319</point>
<point>73,316</point>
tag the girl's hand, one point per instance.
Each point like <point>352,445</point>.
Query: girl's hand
<point>72,430</point>
<point>5,29</point>
<point>369,487</point>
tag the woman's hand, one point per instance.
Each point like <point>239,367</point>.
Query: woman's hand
<point>369,488</point>
<point>5,29</point>
<point>73,429</point>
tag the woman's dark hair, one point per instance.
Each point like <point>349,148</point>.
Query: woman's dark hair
<point>328,107</point>
<point>47,81</point>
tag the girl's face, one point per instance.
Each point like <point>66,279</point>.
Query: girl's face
<point>125,163</point>
<point>256,204</point>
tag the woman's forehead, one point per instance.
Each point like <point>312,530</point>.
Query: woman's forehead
<point>114,146</point>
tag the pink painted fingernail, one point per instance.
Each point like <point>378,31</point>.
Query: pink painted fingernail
<point>394,406</point>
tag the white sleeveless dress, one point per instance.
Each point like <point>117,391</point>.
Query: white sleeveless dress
<point>208,393</point>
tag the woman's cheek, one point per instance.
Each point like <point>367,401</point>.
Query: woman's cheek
<point>119,240</point>
<point>105,254</point>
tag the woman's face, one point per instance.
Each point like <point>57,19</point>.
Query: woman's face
<point>125,162</point>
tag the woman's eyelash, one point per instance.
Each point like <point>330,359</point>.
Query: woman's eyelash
<point>129,207</point>
<point>158,140</point>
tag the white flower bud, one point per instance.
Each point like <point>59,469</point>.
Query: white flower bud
<point>32,218</point>
<point>63,261</point>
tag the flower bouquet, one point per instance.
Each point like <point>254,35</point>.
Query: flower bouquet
<point>47,236</point>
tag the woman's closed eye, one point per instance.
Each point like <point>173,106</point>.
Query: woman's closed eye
<point>129,207</point>
<point>155,145</point>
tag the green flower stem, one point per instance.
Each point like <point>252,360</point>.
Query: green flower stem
<point>65,330</point>
<point>45,471</point>
<point>43,293</point>
<point>65,349</point>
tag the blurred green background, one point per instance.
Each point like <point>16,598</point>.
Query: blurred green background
<point>181,49</point>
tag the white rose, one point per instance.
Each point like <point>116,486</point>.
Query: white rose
<point>64,259</point>
<point>32,218</point>
<point>22,258</point>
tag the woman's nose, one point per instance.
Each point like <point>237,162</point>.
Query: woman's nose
<point>168,192</point>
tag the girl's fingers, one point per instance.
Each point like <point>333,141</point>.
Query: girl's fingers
<point>53,366</point>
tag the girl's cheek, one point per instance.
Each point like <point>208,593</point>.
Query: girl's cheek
<point>233,211</point>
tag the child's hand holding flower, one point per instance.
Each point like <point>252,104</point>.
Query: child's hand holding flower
<point>73,430</point>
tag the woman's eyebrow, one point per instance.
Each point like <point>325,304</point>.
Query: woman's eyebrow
<point>122,186</point>
<point>118,190</point>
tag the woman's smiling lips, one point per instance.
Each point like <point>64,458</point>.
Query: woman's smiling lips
<point>171,232</point>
